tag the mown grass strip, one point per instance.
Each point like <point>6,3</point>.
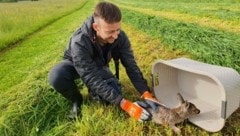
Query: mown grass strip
<point>224,9</point>
<point>26,57</point>
<point>27,103</point>
<point>20,19</point>
<point>202,20</point>
<point>208,45</point>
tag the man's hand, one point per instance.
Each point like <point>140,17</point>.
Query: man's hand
<point>150,100</point>
<point>134,110</point>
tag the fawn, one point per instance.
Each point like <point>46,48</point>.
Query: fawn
<point>176,115</point>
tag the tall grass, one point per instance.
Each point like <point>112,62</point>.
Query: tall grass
<point>20,19</point>
<point>206,44</point>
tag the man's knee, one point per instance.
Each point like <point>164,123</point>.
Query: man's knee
<point>54,77</point>
<point>62,76</point>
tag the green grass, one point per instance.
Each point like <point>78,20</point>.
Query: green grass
<point>20,19</point>
<point>224,9</point>
<point>218,15</point>
<point>202,42</point>
<point>27,102</point>
<point>29,106</point>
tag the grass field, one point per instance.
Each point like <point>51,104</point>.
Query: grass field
<point>31,43</point>
<point>20,19</point>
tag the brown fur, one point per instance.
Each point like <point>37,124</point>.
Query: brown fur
<point>176,115</point>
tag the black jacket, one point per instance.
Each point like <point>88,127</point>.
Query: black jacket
<point>88,60</point>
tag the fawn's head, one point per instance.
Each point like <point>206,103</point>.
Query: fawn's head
<point>187,109</point>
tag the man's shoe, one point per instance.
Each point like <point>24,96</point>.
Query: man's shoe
<point>74,111</point>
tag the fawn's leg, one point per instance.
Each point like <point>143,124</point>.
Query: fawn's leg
<point>175,129</point>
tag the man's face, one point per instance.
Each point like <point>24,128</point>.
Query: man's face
<point>106,33</point>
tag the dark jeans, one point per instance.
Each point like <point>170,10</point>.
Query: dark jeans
<point>62,77</point>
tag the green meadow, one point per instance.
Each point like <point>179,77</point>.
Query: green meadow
<point>20,19</point>
<point>34,34</point>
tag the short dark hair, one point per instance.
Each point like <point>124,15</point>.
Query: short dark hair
<point>108,12</point>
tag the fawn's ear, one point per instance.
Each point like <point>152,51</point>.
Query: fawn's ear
<point>187,104</point>
<point>180,98</point>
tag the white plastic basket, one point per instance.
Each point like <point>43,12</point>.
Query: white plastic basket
<point>215,90</point>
